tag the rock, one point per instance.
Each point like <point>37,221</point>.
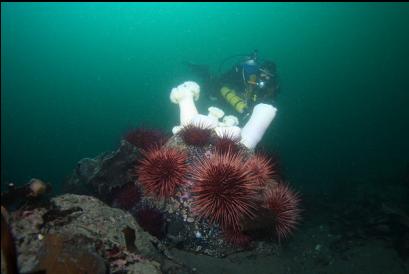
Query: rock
<point>59,255</point>
<point>98,218</point>
<point>97,230</point>
<point>100,175</point>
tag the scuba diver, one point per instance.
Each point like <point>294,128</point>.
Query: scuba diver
<point>246,84</point>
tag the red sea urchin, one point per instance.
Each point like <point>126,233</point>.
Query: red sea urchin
<point>127,196</point>
<point>237,238</point>
<point>162,170</point>
<point>226,142</point>
<point>261,167</point>
<point>145,138</point>
<point>152,221</point>
<point>284,204</point>
<point>196,135</point>
<point>274,162</point>
<point>224,190</point>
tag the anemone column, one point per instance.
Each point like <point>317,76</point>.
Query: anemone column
<point>260,120</point>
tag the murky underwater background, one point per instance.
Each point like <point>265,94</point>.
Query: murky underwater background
<point>76,76</point>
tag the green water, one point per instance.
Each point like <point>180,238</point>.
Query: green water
<point>75,76</point>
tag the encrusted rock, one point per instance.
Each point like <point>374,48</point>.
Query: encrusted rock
<point>90,225</point>
<point>100,175</point>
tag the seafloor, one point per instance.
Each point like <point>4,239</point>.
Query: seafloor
<point>361,227</point>
<point>359,234</point>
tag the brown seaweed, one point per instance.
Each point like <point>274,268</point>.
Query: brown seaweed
<point>129,235</point>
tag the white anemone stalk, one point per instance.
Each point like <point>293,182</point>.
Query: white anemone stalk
<point>229,131</point>
<point>260,120</point>
<point>205,121</point>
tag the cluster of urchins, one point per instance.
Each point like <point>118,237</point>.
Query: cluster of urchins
<point>229,186</point>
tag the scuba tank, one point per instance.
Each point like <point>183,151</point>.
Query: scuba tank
<point>235,101</point>
<point>249,70</point>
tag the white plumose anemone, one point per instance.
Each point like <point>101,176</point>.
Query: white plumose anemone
<point>230,131</point>
<point>185,96</point>
<point>251,134</point>
<point>230,121</point>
